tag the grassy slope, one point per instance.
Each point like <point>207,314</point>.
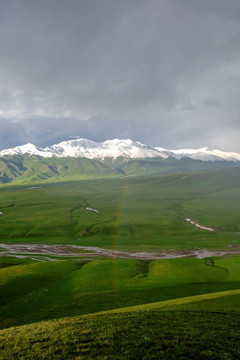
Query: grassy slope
<point>31,169</point>
<point>41,291</point>
<point>143,332</point>
<point>221,301</point>
<point>143,167</point>
<point>27,169</point>
<point>141,214</point>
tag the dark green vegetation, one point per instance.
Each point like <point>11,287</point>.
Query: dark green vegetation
<point>25,169</point>
<point>34,291</point>
<point>133,334</point>
<point>135,213</point>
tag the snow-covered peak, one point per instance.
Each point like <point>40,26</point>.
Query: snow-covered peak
<point>76,143</point>
<point>115,148</point>
<point>109,148</point>
<point>205,154</point>
<point>29,149</point>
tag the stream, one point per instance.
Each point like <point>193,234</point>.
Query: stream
<point>42,252</point>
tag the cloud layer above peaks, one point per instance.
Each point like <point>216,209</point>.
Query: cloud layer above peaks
<point>165,72</point>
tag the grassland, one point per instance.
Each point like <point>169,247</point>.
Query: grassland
<point>143,332</point>
<point>35,291</point>
<point>142,214</point>
<point>184,308</point>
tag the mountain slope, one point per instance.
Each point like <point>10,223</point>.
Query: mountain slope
<point>205,154</point>
<point>23,169</point>
<point>27,168</point>
<point>83,158</point>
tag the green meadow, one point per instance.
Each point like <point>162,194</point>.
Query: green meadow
<point>73,307</point>
<point>143,332</point>
<point>135,213</point>
<point>34,291</point>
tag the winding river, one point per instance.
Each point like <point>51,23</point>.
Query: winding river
<point>42,252</point>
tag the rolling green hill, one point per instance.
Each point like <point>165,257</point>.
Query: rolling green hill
<point>24,169</point>
<point>34,291</point>
<point>144,332</point>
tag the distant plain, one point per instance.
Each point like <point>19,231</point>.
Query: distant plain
<point>135,213</point>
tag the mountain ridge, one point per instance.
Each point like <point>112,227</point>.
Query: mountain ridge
<point>86,159</point>
<point>126,148</point>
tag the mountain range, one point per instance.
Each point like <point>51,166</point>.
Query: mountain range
<point>83,158</point>
<point>127,148</point>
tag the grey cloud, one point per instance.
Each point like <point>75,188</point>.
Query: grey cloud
<point>222,8</point>
<point>211,102</point>
<point>162,72</point>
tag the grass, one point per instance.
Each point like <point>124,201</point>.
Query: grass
<point>144,332</point>
<point>226,302</point>
<point>143,214</point>
<point>183,308</point>
<point>29,169</point>
<point>47,290</point>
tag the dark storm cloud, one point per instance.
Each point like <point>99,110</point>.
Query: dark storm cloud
<point>164,72</point>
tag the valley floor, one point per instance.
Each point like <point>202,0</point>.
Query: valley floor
<point>42,252</point>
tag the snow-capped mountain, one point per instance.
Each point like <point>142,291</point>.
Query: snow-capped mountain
<point>84,148</point>
<point>89,149</point>
<point>29,149</point>
<point>205,154</point>
<point>109,148</point>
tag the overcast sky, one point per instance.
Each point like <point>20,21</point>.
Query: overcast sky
<point>163,72</point>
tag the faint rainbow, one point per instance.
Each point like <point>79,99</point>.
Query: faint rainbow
<point>117,234</point>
